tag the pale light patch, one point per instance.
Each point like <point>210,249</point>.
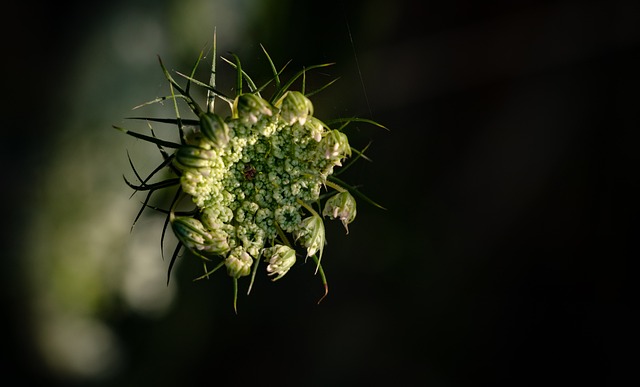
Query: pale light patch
<point>144,283</point>
<point>79,347</point>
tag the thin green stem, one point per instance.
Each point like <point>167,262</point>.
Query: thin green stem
<point>253,274</point>
<point>178,119</point>
<point>208,273</point>
<point>273,67</point>
<point>153,140</point>
<point>308,207</point>
<point>212,80</point>
<point>282,235</point>
<point>235,295</point>
<point>335,186</point>
<point>356,192</point>
<point>239,75</point>
<point>322,276</point>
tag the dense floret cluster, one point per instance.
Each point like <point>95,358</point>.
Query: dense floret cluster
<point>253,174</point>
<point>254,178</point>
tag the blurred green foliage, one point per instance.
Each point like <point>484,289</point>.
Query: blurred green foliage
<point>504,255</point>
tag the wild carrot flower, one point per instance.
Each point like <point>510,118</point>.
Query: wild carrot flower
<point>254,176</point>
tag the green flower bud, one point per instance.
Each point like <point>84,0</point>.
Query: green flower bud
<point>189,156</point>
<point>214,129</point>
<point>281,258</point>
<point>215,217</point>
<point>341,205</point>
<point>192,233</point>
<point>335,145</point>
<point>249,108</point>
<point>310,233</point>
<point>294,106</point>
<point>238,263</point>
<point>219,242</point>
<point>315,127</point>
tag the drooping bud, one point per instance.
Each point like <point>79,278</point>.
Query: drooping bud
<point>341,206</point>
<point>281,258</point>
<point>238,263</point>
<point>189,156</point>
<point>249,108</point>
<point>335,145</point>
<point>310,233</point>
<point>294,106</point>
<point>214,129</point>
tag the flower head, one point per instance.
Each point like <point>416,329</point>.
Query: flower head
<point>253,178</point>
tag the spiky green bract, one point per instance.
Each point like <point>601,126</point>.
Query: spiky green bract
<point>253,177</point>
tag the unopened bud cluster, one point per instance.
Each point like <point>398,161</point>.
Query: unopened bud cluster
<point>250,174</point>
<point>260,179</point>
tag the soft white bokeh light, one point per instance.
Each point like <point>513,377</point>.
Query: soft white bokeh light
<point>80,347</point>
<point>85,266</point>
<point>144,286</point>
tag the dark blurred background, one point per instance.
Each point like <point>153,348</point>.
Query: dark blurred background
<point>509,175</point>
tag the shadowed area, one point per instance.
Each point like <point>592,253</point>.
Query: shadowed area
<point>508,176</point>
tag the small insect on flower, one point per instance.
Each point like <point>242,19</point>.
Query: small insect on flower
<point>249,172</point>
